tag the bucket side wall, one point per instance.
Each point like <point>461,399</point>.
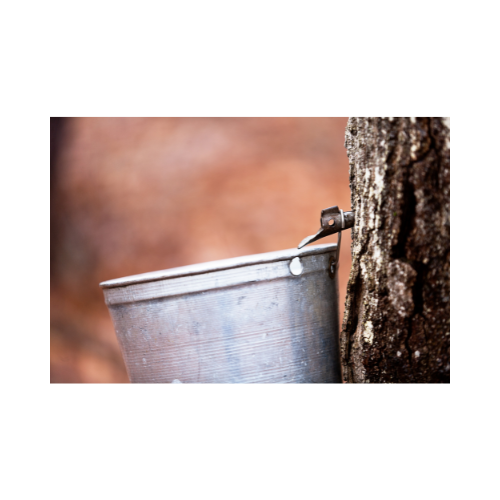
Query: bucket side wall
<point>279,329</point>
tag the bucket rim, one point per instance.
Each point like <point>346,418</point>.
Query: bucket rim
<point>218,265</point>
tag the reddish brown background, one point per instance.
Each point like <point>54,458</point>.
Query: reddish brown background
<point>131,195</point>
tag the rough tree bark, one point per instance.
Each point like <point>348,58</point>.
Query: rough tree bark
<point>396,324</point>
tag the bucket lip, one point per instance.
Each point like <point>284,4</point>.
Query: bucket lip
<point>218,265</point>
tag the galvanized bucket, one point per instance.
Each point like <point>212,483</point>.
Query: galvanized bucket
<point>265,318</point>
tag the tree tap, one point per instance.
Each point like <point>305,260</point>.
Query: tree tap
<point>333,220</point>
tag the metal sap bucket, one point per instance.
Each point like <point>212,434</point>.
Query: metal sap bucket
<point>265,318</point>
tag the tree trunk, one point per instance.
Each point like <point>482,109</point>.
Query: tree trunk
<point>396,324</point>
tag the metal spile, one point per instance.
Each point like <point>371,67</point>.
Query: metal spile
<point>333,220</point>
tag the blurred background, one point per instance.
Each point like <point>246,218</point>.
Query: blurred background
<point>132,195</point>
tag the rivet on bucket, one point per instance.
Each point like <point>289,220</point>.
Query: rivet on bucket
<point>296,267</point>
